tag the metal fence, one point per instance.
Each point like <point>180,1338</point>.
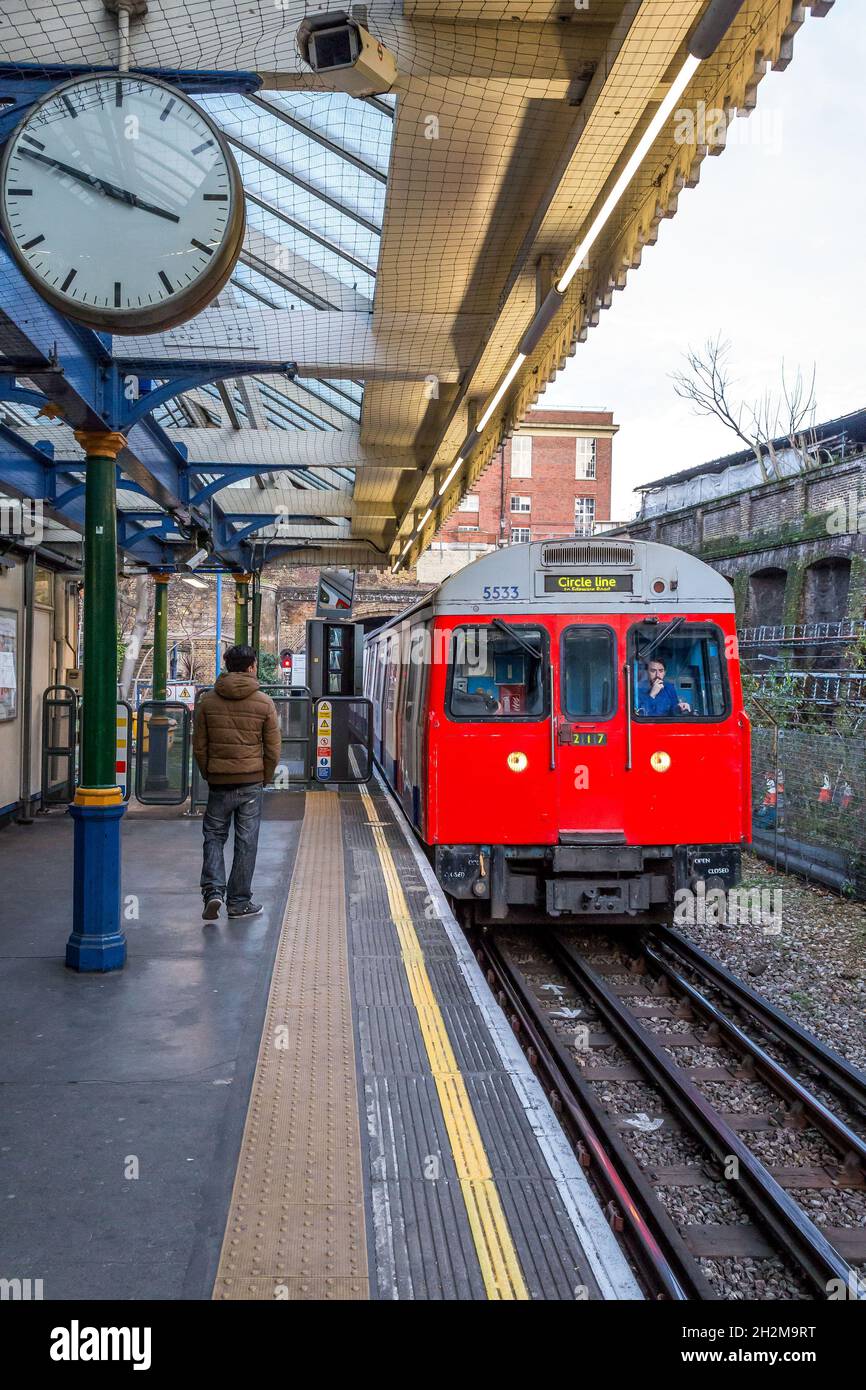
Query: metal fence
<point>809,803</point>
<point>802,634</point>
<point>825,689</point>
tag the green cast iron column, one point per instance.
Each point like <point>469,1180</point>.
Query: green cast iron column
<point>242,621</point>
<point>160,635</point>
<point>257,616</point>
<point>157,779</point>
<point>99,729</point>
<point>97,942</point>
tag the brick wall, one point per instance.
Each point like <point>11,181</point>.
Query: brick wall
<point>722,521</point>
<point>551,488</point>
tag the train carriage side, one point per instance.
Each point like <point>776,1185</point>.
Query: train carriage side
<point>572,743</point>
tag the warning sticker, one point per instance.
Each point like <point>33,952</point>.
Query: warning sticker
<point>324,715</point>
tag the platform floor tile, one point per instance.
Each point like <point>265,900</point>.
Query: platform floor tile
<point>296,1226</point>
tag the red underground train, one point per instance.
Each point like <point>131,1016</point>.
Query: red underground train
<point>563,724</point>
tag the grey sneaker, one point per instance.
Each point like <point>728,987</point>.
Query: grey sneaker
<point>212,909</point>
<point>251,910</point>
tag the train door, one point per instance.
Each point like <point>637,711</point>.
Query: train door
<point>590,731</point>
<point>410,780</point>
<point>389,706</point>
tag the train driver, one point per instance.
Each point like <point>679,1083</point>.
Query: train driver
<point>656,696</point>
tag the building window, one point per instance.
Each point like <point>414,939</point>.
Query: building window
<point>584,515</point>
<point>521,504</point>
<point>519,535</point>
<point>521,456</point>
<point>585,458</point>
<point>469,503</point>
<point>43,588</point>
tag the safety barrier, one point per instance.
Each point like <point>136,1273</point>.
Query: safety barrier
<point>59,745</point>
<point>344,739</point>
<point>293,713</point>
<point>162,753</point>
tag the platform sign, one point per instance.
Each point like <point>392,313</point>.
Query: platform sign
<point>121,744</point>
<point>336,594</point>
<point>324,732</point>
<point>181,693</point>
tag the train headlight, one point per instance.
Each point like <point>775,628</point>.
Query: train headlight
<point>517,762</point>
<point>660,762</point>
<point>658,586</point>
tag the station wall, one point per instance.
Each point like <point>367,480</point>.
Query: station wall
<point>55,607</point>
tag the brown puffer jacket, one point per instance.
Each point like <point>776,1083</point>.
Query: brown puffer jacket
<point>237,735</point>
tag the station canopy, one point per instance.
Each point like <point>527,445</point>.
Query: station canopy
<point>398,246</point>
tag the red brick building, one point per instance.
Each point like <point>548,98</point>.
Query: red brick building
<point>552,478</point>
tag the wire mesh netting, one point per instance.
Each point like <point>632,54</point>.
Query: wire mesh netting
<point>393,240</point>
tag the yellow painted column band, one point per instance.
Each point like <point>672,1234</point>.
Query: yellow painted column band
<point>497,1256</point>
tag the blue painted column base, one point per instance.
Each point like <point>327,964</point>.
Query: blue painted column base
<point>97,941</point>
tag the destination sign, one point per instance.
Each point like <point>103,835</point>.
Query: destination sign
<point>588,583</point>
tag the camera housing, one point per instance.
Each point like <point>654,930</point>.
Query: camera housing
<point>346,55</point>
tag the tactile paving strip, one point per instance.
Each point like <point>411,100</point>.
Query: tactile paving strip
<point>296,1225</point>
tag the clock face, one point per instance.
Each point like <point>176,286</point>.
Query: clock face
<point>122,203</point>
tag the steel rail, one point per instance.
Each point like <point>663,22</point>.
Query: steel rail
<point>663,1255</point>
<point>848,1080</point>
<point>843,1139</point>
<point>791,1228</point>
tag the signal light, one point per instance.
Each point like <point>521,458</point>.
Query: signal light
<point>285,660</point>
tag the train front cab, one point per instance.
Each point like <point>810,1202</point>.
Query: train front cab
<point>559,786</point>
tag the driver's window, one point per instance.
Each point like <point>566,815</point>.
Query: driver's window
<point>677,677</point>
<point>496,676</point>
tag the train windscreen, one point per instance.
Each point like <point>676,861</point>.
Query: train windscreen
<point>678,672</point>
<point>498,674</point>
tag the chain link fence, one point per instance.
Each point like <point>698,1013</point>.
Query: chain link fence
<point>809,801</point>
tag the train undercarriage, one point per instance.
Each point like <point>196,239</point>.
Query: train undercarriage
<point>584,881</point>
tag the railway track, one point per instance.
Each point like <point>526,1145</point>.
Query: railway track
<point>699,1181</point>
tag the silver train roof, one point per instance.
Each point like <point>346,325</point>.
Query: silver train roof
<point>595,575</point>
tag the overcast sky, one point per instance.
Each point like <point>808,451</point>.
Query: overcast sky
<point>768,250</point>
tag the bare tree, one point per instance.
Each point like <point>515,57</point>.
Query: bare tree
<point>707,383</point>
<point>799,413</point>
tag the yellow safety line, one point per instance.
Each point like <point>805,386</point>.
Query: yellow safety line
<point>500,1266</point>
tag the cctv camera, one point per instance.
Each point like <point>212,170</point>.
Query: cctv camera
<point>348,57</point>
<point>197,559</point>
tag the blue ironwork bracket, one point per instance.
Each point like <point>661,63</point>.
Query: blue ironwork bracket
<point>179,377</point>
<point>232,473</point>
<point>20,394</point>
<point>128,538</point>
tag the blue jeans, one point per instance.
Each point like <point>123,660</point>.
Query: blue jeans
<point>243,805</point>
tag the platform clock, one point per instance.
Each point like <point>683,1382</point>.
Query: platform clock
<point>121,203</point>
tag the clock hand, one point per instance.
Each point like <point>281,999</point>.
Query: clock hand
<point>110,190</point>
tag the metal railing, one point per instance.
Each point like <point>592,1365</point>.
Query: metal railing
<point>826,688</point>
<point>801,634</point>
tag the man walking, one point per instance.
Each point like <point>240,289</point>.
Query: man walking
<point>237,748</point>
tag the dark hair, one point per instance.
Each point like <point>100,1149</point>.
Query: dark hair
<point>239,658</point>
